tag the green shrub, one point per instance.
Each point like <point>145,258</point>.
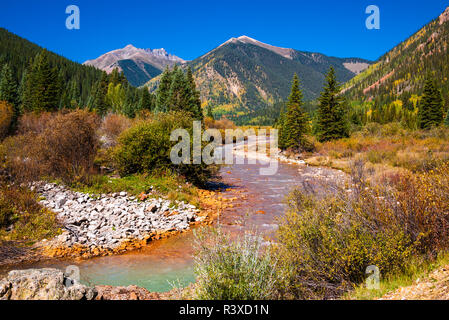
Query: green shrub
<point>146,147</point>
<point>327,244</point>
<point>233,269</point>
<point>327,249</point>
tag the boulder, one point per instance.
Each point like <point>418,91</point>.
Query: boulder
<point>43,284</point>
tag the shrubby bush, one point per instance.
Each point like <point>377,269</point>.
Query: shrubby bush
<point>34,123</point>
<point>146,147</point>
<point>237,269</point>
<point>63,147</point>
<point>67,147</point>
<point>327,244</point>
<point>113,125</point>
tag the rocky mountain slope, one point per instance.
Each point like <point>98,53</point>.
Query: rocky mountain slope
<point>400,73</point>
<point>243,74</point>
<point>138,65</point>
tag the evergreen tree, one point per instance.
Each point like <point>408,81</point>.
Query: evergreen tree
<point>129,109</point>
<point>294,123</point>
<point>115,77</point>
<point>431,112</point>
<point>22,87</point>
<point>8,86</point>
<point>194,99</point>
<point>45,83</point>
<point>179,96</point>
<point>100,103</point>
<point>146,101</point>
<point>8,93</point>
<point>332,122</point>
<point>209,113</point>
<point>163,91</point>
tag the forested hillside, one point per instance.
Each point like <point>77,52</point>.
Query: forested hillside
<point>391,89</point>
<point>244,78</point>
<point>34,79</point>
<point>19,54</point>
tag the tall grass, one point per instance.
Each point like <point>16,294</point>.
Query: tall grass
<point>236,269</point>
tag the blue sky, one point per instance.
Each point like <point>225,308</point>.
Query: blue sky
<point>191,28</point>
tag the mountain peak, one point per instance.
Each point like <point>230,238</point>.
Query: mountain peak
<point>139,65</point>
<point>285,52</point>
<point>444,16</point>
<point>246,38</point>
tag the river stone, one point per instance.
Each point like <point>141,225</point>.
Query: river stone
<point>90,220</point>
<point>42,284</point>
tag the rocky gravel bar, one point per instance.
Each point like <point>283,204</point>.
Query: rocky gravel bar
<point>105,221</point>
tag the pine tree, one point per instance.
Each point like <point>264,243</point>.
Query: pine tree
<point>100,103</point>
<point>22,88</point>
<point>146,101</point>
<point>194,99</point>
<point>115,76</point>
<point>163,91</point>
<point>209,113</point>
<point>179,92</point>
<point>45,82</point>
<point>294,123</point>
<point>8,86</point>
<point>332,122</point>
<point>8,93</point>
<point>431,112</point>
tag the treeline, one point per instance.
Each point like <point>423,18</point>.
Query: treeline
<point>424,111</point>
<point>21,58</point>
<point>177,92</point>
<point>33,79</point>
<point>404,73</point>
<point>334,116</point>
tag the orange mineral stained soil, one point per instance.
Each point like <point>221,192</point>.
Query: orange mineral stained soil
<point>257,201</point>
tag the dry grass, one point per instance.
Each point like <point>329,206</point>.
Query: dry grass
<point>386,146</point>
<point>31,222</point>
<point>6,116</point>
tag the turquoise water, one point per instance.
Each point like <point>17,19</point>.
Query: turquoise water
<point>158,267</point>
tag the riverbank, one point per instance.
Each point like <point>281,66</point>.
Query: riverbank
<point>108,224</point>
